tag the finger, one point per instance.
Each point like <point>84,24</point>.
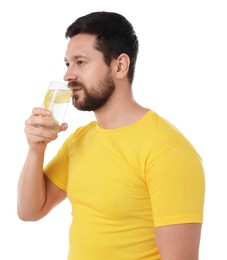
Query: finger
<point>41,111</point>
<point>39,121</point>
<point>35,134</point>
<point>64,126</point>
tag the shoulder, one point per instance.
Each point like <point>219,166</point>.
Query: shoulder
<point>163,134</point>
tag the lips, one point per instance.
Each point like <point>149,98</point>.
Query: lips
<point>76,88</point>
<point>75,91</point>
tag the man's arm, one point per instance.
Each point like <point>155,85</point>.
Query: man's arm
<point>179,242</point>
<point>37,195</point>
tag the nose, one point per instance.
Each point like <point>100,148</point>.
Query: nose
<point>70,75</point>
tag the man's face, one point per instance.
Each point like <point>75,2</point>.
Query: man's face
<point>88,76</point>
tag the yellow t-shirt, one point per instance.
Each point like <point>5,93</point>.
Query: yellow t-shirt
<point>124,182</point>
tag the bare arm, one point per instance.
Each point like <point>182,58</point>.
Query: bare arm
<point>179,242</point>
<point>37,195</point>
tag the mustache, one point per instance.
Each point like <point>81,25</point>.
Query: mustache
<point>75,83</point>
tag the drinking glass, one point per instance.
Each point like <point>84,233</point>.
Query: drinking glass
<point>56,100</point>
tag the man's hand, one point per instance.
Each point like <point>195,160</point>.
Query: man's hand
<point>37,136</point>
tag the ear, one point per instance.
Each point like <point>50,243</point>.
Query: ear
<point>122,66</point>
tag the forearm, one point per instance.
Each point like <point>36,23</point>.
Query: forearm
<point>31,187</point>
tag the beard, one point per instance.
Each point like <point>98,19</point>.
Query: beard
<point>94,98</point>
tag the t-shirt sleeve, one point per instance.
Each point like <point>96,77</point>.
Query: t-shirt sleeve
<point>176,185</point>
<point>57,168</point>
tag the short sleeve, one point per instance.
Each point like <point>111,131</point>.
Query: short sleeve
<point>176,185</point>
<point>57,169</point>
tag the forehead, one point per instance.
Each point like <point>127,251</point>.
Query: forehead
<point>81,44</point>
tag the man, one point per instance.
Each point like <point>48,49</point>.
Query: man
<point>135,183</point>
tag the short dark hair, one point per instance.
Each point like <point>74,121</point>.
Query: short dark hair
<point>114,35</point>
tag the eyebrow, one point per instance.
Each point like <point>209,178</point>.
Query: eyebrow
<point>75,57</point>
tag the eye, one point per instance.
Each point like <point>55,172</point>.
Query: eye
<point>80,62</point>
<point>67,64</point>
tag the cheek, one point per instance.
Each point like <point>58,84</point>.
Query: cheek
<point>93,73</point>
<point>92,78</point>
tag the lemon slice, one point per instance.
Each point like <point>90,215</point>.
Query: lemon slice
<point>53,96</point>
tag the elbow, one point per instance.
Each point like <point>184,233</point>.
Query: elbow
<point>22,215</point>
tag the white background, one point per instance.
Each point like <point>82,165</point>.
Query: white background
<point>181,74</point>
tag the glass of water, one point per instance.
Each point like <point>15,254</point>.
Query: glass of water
<point>56,100</point>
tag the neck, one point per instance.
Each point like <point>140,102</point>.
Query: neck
<point>120,111</point>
